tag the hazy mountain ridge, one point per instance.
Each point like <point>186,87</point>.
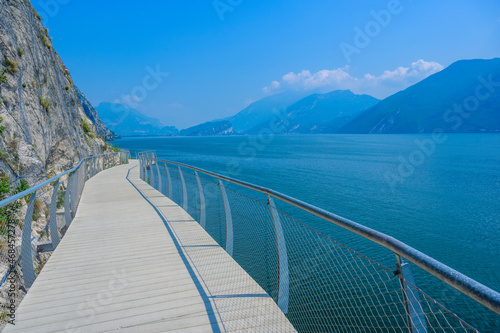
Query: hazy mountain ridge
<point>125,121</point>
<point>221,127</point>
<point>319,113</point>
<point>262,110</point>
<point>447,100</point>
<point>421,108</point>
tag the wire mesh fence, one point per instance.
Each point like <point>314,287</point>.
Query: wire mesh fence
<point>316,279</point>
<point>33,221</point>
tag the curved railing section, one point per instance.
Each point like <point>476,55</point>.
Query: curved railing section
<point>298,254</point>
<point>34,221</point>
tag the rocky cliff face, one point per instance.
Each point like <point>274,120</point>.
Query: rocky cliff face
<point>46,128</point>
<point>92,114</point>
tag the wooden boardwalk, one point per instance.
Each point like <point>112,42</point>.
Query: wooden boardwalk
<point>134,261</point>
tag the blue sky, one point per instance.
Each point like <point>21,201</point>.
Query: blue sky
<point>221,55</point>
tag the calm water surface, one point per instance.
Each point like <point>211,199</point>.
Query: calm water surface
<point>446,206</point>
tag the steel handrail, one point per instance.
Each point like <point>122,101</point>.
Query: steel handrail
<point>40,185</point>
<point>480,293</point>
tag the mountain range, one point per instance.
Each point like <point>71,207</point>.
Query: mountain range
<point>126,121</point>
<point>290,113</point>
<point>462,98</point>
<point>318,113</point>
<point>263,110</point>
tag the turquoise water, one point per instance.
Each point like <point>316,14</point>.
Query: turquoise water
<point>445,204</point>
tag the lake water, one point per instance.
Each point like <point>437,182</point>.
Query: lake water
<point>439,195</point>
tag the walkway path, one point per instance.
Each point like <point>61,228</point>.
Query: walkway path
<point>134,261</point>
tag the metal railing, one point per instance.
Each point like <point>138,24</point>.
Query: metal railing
<point>47,210</point>
<point>318,282</point>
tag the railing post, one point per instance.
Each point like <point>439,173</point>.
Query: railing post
<point>54,233</point>
<point>67,198</point>
<point>159,176</point>
<point>413,308</point>
<point>169,181</point>
<point>229,220</point>
<point>153,178</point>
<point>184,191</point>
<point>144,165</point>
<point>141,167</point>
<point>283,273</point>
<point>144,174</point>
<point>74,192</point>
<point>148,171</point>
<point>202,202</point>
<point>85,171</point>
<point>163,187</point>
<point>26,248</point>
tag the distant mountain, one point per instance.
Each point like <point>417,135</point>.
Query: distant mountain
<point>319,113</point>
<point>222,127</point>
<point>473,86</point>
<point>262,110</point>
<point>92,114</point>
<point>129,122</point>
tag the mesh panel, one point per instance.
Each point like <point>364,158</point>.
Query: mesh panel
<point>332,288</point>
<point>193,195</point>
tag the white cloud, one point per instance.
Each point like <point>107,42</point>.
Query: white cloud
<point>388,83</point>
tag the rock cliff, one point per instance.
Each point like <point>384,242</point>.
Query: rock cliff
<point>92,114</point>
<point>45,129</point>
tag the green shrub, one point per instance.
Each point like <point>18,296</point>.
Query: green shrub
<point>3,157</point>
<point>2,128</point>
<point>89,141</point>
<point>24,85</point>
<point>39,207</point>
<point>87,128</point>
<point>60,199</point>
<point>20,51</point>
<point>45,103</point>
<point>66,87</point>
<point>46,41</point>
<point>8,212</point>
<point>12,66</point>
<point>3,77</point>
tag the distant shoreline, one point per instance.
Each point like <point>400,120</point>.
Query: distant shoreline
<point>285,134</point>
